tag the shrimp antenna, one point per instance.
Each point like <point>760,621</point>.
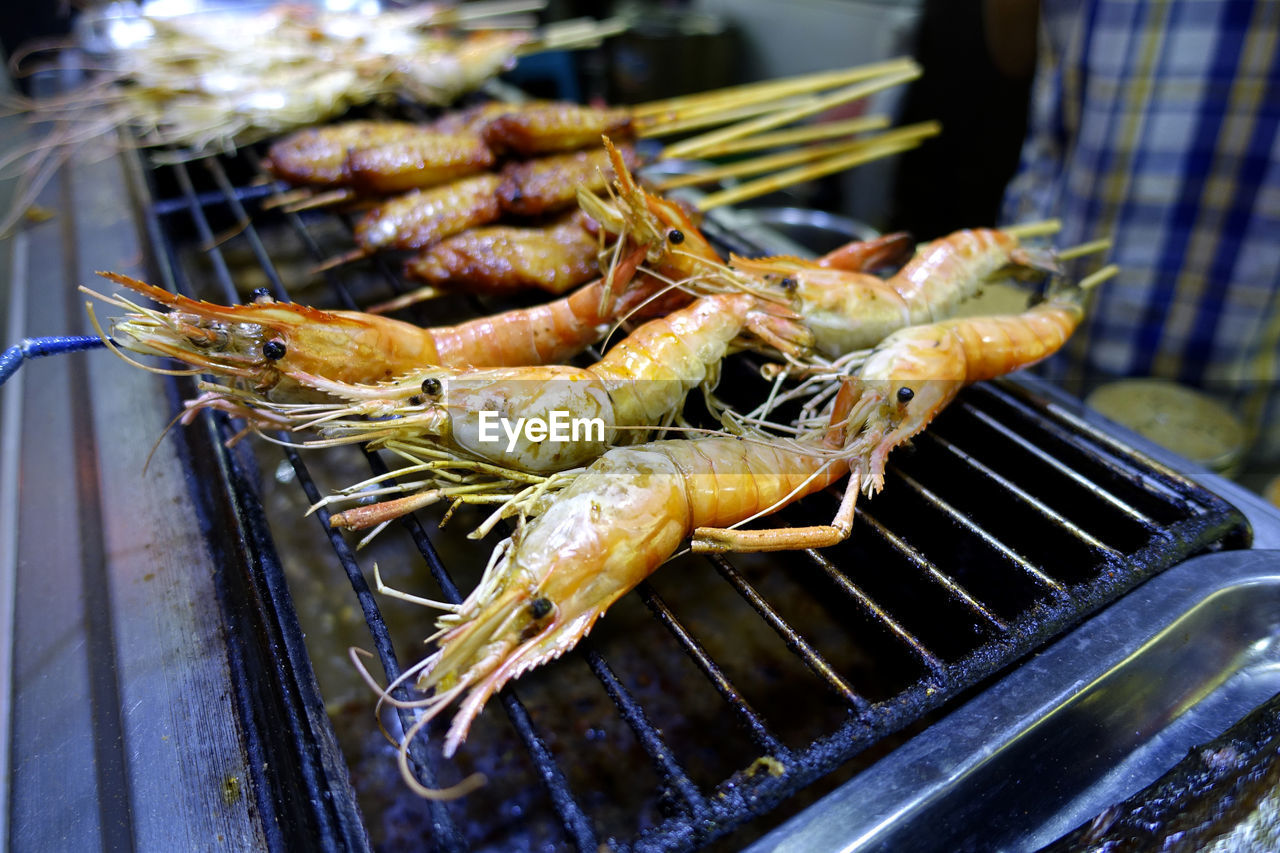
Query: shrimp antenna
<point>107,342</point>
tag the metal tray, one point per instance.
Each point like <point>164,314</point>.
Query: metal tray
<point>1099,714</point>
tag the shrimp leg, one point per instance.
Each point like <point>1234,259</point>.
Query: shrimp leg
<point>717,540</point>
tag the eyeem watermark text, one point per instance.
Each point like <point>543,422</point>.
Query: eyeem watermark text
<point>559,426</point>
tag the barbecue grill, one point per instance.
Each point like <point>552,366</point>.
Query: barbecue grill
<point>174,632</point>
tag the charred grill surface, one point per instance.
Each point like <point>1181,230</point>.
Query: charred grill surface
<point>1007,521</point>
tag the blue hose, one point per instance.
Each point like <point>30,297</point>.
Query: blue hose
<point>12,358</point>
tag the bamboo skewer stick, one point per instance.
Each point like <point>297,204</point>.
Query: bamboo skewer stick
<point>837,163</point>
<point>795,136</point>
<point>758,164</point>
<point>1100,245</point>
<point>783,159</point>
<point>1043,228</point>
<point>694,147</point>
<point>774,89</point>
<point>1097,278</point>
<point>711,119</point>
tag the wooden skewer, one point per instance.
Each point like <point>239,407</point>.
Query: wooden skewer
<point>757,165</point>
<point>693,147</point>
<point>795,136</point>
<point>336,261</point>
<point>293,196</point>
<point>772,93</point>
<point>712,119</point>
<point>838,163</point>
<point>324,199</point>
<point>1042,228</point>
<point>406,299</point>
<point>773,89</point>
<point>1099,245</point>
<point>783,159</point>
<point>1097,278</point>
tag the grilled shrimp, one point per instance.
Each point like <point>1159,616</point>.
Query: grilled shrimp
<point>639,383</point>
<point>262,344</point>
<point>847,309</point>
<point>610,529</point>
<point>915,372</point>
<point>621,519</point>
<point>851,310</point>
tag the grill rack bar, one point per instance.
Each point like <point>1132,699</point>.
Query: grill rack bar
<point>868,723</point>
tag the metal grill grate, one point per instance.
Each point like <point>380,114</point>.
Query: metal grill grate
<point>1008,521</point>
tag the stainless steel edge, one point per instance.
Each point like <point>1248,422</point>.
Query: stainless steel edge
<point>123,731</point>
<point>951,787</point>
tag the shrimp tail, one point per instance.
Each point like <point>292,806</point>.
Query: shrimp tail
<point>868,255</point>
<point>1032,261</point>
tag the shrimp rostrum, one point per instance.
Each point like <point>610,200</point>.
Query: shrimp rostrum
<point>632,508</point>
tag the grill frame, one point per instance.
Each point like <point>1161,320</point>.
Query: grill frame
<point>317,803</point>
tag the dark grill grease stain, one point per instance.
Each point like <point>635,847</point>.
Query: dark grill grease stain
<point>1223,795</point>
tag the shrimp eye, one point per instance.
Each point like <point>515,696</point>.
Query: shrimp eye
<point>905,394</point>
<point>675,236</point>
<point>540,607</point>
<point>261,294</point>
<point>273,350</point>
<point>416,400</point>
<point>432,387</point>
<point>788,283</point>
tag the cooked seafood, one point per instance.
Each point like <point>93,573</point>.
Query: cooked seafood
<point>639,383</point>
<point>610,529</point>
<point>847,310</point>
<point>915,372</point>
<point>631,509</point>
<point>263,343</point>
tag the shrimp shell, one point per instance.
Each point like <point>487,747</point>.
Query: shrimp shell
<point>914,373</point>
<point>609,530</point>
<point>350,346</point>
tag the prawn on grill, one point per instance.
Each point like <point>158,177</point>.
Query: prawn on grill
<point>631,509</point>
<point>262,344</point>
<point>847,308</point>
<point>639,384</point>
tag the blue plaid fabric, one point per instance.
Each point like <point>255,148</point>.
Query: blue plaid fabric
<point>1155,122</point>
